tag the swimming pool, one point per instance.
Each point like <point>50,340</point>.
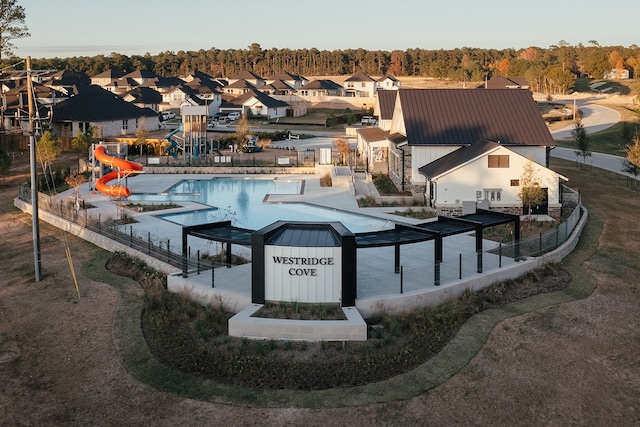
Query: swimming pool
<point>242,200</point>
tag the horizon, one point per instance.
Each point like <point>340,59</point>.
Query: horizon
<point>82,32</point>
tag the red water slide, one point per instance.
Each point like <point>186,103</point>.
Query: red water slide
<point>125,168</point>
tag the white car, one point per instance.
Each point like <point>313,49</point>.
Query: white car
<point>234,115</point>
<point>167,115</point>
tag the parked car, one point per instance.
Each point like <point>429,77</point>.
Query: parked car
<point>368,121</point>
<point>167,115</point>
<point>234,115</point>
<point>222,119</point>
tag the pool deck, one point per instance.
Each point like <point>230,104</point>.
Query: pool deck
<point>377,279</point>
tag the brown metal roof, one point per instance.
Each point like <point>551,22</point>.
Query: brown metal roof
<point>387,102</point>
<point>372,134</point>
<point>466,116</point>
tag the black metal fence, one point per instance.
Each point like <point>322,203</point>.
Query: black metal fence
<point>195,262</point>
<point>119,231</point>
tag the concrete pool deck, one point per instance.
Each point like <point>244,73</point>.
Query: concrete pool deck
<point>380,288</point>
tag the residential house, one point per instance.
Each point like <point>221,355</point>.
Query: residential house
<point>141,76</point>
<point>106,78</point>
<point>163,84</point>
<point>359,85</point>
<point>249,77</point>
<point>173,98</point>
<point>144,97</point>
<point>500,82</point>
<point>387,83</point>
<point>481,138</point>
<point>617,74</point>
<point>122,85</point>
<point>14,111</point>
<point>108,114</point>
<point>209,92</point>
<point>278,87</point>
<point>239,87</point>
<point>67,82</point>
<point>256,103</point>
<point>320,88</point>
<point>296,81</point>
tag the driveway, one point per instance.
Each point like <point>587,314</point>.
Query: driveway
<point>594,119</point>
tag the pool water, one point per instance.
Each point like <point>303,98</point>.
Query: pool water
<point>241,201</point>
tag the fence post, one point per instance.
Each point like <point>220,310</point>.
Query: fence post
<point>148,242</point>
<point>540,244</point>
<point>460,267</point>
<point>198,261</point>
<point>557,236</point>
<point>131,235</point>
<point>213,275</point>
<point>168,250</point>
<point>401,279</point>
<point>500,255</point>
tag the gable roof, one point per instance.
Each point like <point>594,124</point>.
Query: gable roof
<point>143,95</point>
<point>277,85</point>
<point>387,103</point>
<point>263,98</point>
<point>141,74</point>
<point>360,77</point>
<point>456,158</point>
<point>246,75</point>
<point>322,84</point>
<point>466,116</point>
<point>240,84</point>
<point>387,77</point>
<point>97,105</point>
<point>108,74</point>
<point>285,75</point>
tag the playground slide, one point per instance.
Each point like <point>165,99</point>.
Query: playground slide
<point>172,142</point>
<point>125,168</point>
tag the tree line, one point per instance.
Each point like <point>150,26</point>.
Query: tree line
<point>548,70</point>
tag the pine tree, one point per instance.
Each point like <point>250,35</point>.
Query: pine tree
<point>12,18</point>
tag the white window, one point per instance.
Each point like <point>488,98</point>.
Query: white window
<point>125,124</point>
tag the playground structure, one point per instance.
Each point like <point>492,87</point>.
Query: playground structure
<point>193,142</point>
<point>123,169</point>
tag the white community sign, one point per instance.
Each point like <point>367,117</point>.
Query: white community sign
<point>303,274</point>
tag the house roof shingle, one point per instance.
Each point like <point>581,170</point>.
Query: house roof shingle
<point>97,105</point>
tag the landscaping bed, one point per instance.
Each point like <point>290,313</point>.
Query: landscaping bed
<point>194,339</point>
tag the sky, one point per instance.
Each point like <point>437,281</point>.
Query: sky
<point>69,28</point>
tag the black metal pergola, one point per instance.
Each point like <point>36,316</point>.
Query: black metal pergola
<point>404,234</point>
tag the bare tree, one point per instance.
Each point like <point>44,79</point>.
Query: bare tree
<point>530,193</point>
<point>12,26</point>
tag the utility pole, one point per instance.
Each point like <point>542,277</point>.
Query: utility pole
<point>34,183</point>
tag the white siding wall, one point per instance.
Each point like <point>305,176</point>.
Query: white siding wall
<point>421,156</point>
<point>462,184</point>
